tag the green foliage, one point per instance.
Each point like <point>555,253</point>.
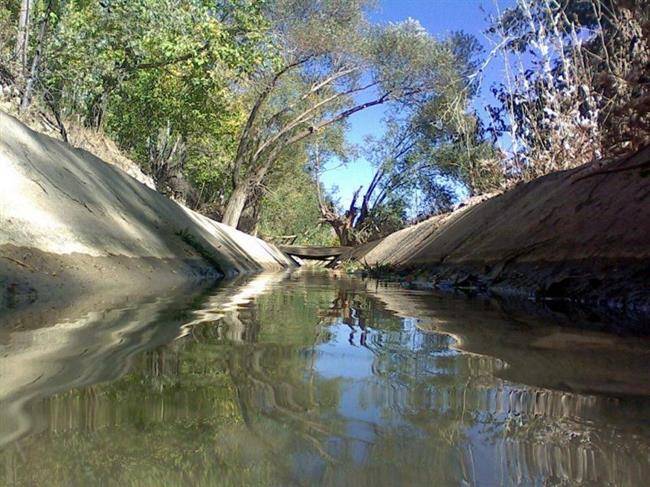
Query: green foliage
<point>289,203</point>
<point>472,162</point>
<point>216,98</point>
<point>291,208</point>
<point>7,28</point>
<point>351,266</point>
<point>139,68</point>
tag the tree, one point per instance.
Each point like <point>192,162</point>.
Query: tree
<point>177,62</point>
<point>237,93</point>
<point>428,149</point>
<point>286,204</point>
<point>32,77</point>
<point>289,207</point>
<point>333,65</point>
<point>404,172</point>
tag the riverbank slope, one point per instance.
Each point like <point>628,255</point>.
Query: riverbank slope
<point>72,224</point>
<point>581,234</point>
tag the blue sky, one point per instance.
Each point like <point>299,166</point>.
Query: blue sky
<point>439,17</point>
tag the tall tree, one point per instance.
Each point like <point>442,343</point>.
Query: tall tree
<point>178,63</point>
<point>32,77</point>
<point>334,64</point>
<point>408,178</point>
<point>429,149</point>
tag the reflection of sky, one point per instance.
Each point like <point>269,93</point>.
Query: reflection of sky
<point>376,392</point>
<point>402,410</point>
<point>387,383</point>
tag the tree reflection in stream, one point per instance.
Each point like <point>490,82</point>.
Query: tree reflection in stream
<point>310,378</point>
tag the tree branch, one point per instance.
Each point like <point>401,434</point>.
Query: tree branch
<point>244,139</point>
<point>303,117</point>
<point>315,88</point>
<point>341,116</point>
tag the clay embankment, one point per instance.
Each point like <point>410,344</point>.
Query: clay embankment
<point>582,234</point>
<point>71,224</point>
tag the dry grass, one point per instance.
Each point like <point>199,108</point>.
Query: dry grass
<point>585,96</point>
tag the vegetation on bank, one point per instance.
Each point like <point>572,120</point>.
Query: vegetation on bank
<point>237,106</point>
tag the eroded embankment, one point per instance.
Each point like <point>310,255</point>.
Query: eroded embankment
<point>581,234</point>
<point>72,224</point>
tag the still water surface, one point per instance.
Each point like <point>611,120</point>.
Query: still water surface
<point>315,379</point>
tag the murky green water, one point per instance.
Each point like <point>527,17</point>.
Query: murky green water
<point>309,379</point>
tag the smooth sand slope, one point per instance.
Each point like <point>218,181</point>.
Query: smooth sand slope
<point>582,233</point>
<point>70,222</point>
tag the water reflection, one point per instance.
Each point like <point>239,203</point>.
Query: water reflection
<point>304,378</point>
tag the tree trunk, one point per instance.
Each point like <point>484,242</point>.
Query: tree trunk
<point>236,204</point>
<point>244,190</point>
<point>343,233</point>
<point>256,213</point>
<point>342,226</point>
<point>36,61</point>
<point>56,111</point>
<point>22,38</point>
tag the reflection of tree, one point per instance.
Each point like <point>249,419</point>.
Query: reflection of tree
<point>541,433</point>
<point>427,391</point>
<point>445,395</point>
<point>269,391</point>
<point>276,384</point>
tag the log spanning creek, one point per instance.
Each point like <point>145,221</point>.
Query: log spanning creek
<point>314,378</point>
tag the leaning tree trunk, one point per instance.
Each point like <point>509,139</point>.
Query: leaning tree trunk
<point>250,220</point>
<point>345,233</point>
<point>243,191</point>
<point>236,204</point>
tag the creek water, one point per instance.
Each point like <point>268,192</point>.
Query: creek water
<point>310,378</point>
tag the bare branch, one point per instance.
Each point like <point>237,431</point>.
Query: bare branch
<point>341,116</point>
<point>315,88</point>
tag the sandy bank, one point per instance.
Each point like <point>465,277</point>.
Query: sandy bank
<point>70,223</point>
<point>582,234</point>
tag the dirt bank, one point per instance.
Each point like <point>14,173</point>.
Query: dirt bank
<point>581,234</point>
<point>72,224</point>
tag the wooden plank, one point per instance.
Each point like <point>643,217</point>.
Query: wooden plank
<point>312,252</point>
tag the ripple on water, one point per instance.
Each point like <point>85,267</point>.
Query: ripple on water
<point>306,378</point>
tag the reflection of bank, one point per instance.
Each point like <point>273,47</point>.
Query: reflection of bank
<point>536,350</point>
<point>225,302</point>
<point>75,351</point>
<point>526,387</point>
<point>264,374</point>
